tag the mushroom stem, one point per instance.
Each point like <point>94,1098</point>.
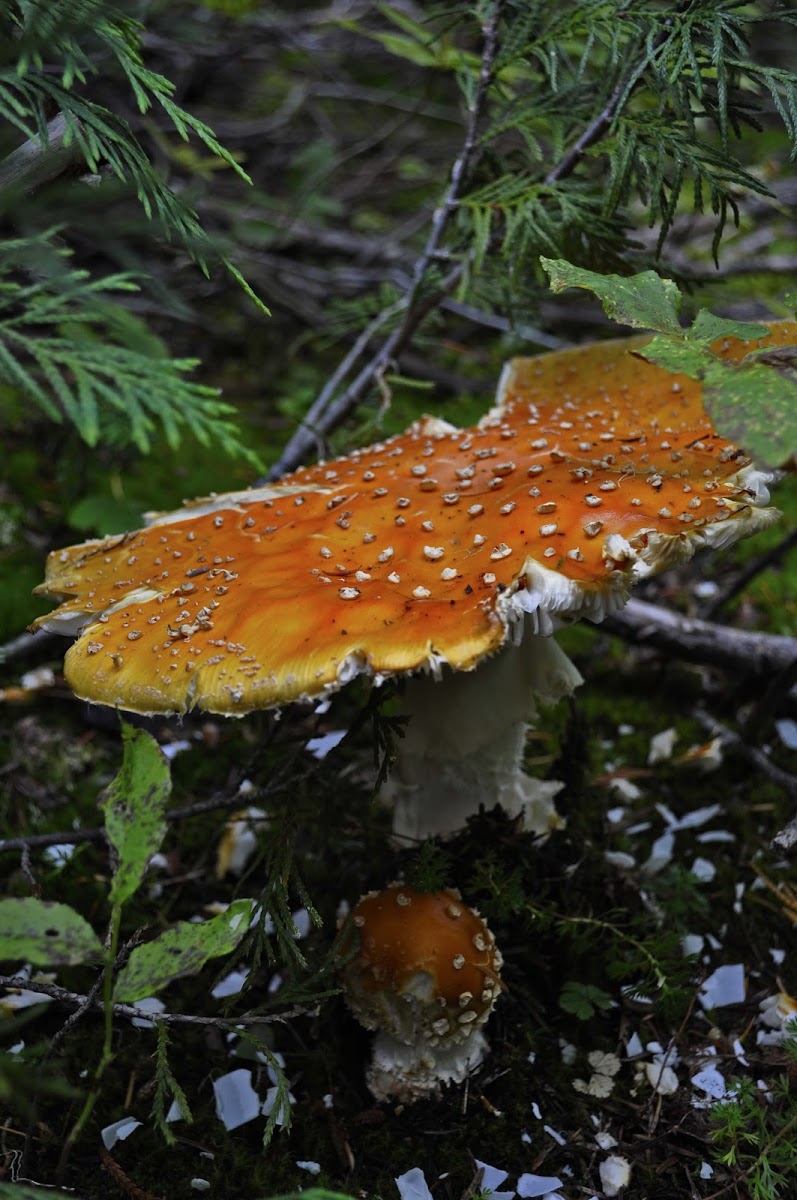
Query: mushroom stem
<point>406,1073</point>
<point>466,738</point>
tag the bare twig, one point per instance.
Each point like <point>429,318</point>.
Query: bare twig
<point>786,838</point>
<point>221,800</point>
<point>592,134</point>
<point>328,411</point>
<point>489,320</point>
<point>753,569</point>
<point>603,121</point>
<point>26,643</point>
<point>753,754</point>
<point>36,162</point>
<point>749,654</point>
<point>84,1002</point>
<point>27,871</point>
<point>91,1000</point>
<point>324,415</point>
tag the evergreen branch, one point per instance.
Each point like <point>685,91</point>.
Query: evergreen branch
<point>594,131</point>
<point>29,90</point>
<point>59,346</point>
<point>102,137</point>
<point>166,1088</point>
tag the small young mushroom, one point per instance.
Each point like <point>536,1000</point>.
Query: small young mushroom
<point>444,555</point>
<point>426,975</point>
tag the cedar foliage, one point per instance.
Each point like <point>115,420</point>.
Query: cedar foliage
<point>62,332</point>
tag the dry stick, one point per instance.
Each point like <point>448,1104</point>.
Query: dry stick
<point>323,416</point>
<point>739,650</point>
<point>81,1002</point>
<point>592,134</point>
<point>746,654</point>
<point>72,1020</point>
<point>222,800</point>
<point>786,838</point>
<point>755,756</point>
<point>91,999</point>
<point>38,160</point>
<point>602,123</point>
<point>769,559</point>
<point>27,643</point>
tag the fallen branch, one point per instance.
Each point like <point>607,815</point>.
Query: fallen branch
<point>27,643</point>
<point>770,558</point>
<point>84,1003</point>
<point>786,838</point>
<point>739,650</point>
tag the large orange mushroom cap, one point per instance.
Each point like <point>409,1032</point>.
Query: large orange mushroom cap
<point>593,468</point>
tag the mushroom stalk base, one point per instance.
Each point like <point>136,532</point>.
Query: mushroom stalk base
<point>416,1072</point>
<point>466,739</point>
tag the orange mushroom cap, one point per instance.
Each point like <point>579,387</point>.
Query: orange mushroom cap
<point>427,968</point>
<point>595,467</point>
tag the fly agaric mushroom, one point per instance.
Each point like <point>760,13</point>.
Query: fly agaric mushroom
<point>426,975</point>
<point>444,554</point>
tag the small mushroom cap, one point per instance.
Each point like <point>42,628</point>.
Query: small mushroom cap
<point>426,968</point>
<point>594,468</point>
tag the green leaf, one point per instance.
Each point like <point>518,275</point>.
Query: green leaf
<point>134,808</point>
<point>752,404</point>
<point>418,44</point>
<point>708,328</point>
<point>101,513</point>
<point>312,1194</point>
<point>182,950</point>
<point>45,933</point>
<point>583,999</point>
<point>643,301</point>
<point>680,357</point>
<point>26,1191</point>
<point>755,406</point>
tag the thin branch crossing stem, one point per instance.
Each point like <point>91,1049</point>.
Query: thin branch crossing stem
<point>85,1003</point>
<point>325,413</point>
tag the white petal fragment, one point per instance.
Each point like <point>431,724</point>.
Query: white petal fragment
<point>237,1102</point>
<point>118,1131</point>
<point>412,1185</point>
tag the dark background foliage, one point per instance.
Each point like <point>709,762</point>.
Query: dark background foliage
<point>621,137</point>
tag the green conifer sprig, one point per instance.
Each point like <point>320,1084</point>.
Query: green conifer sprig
<point>51,52</point>
<point>60,346</point>
<point>668,90</point>
<point>62,333</point>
